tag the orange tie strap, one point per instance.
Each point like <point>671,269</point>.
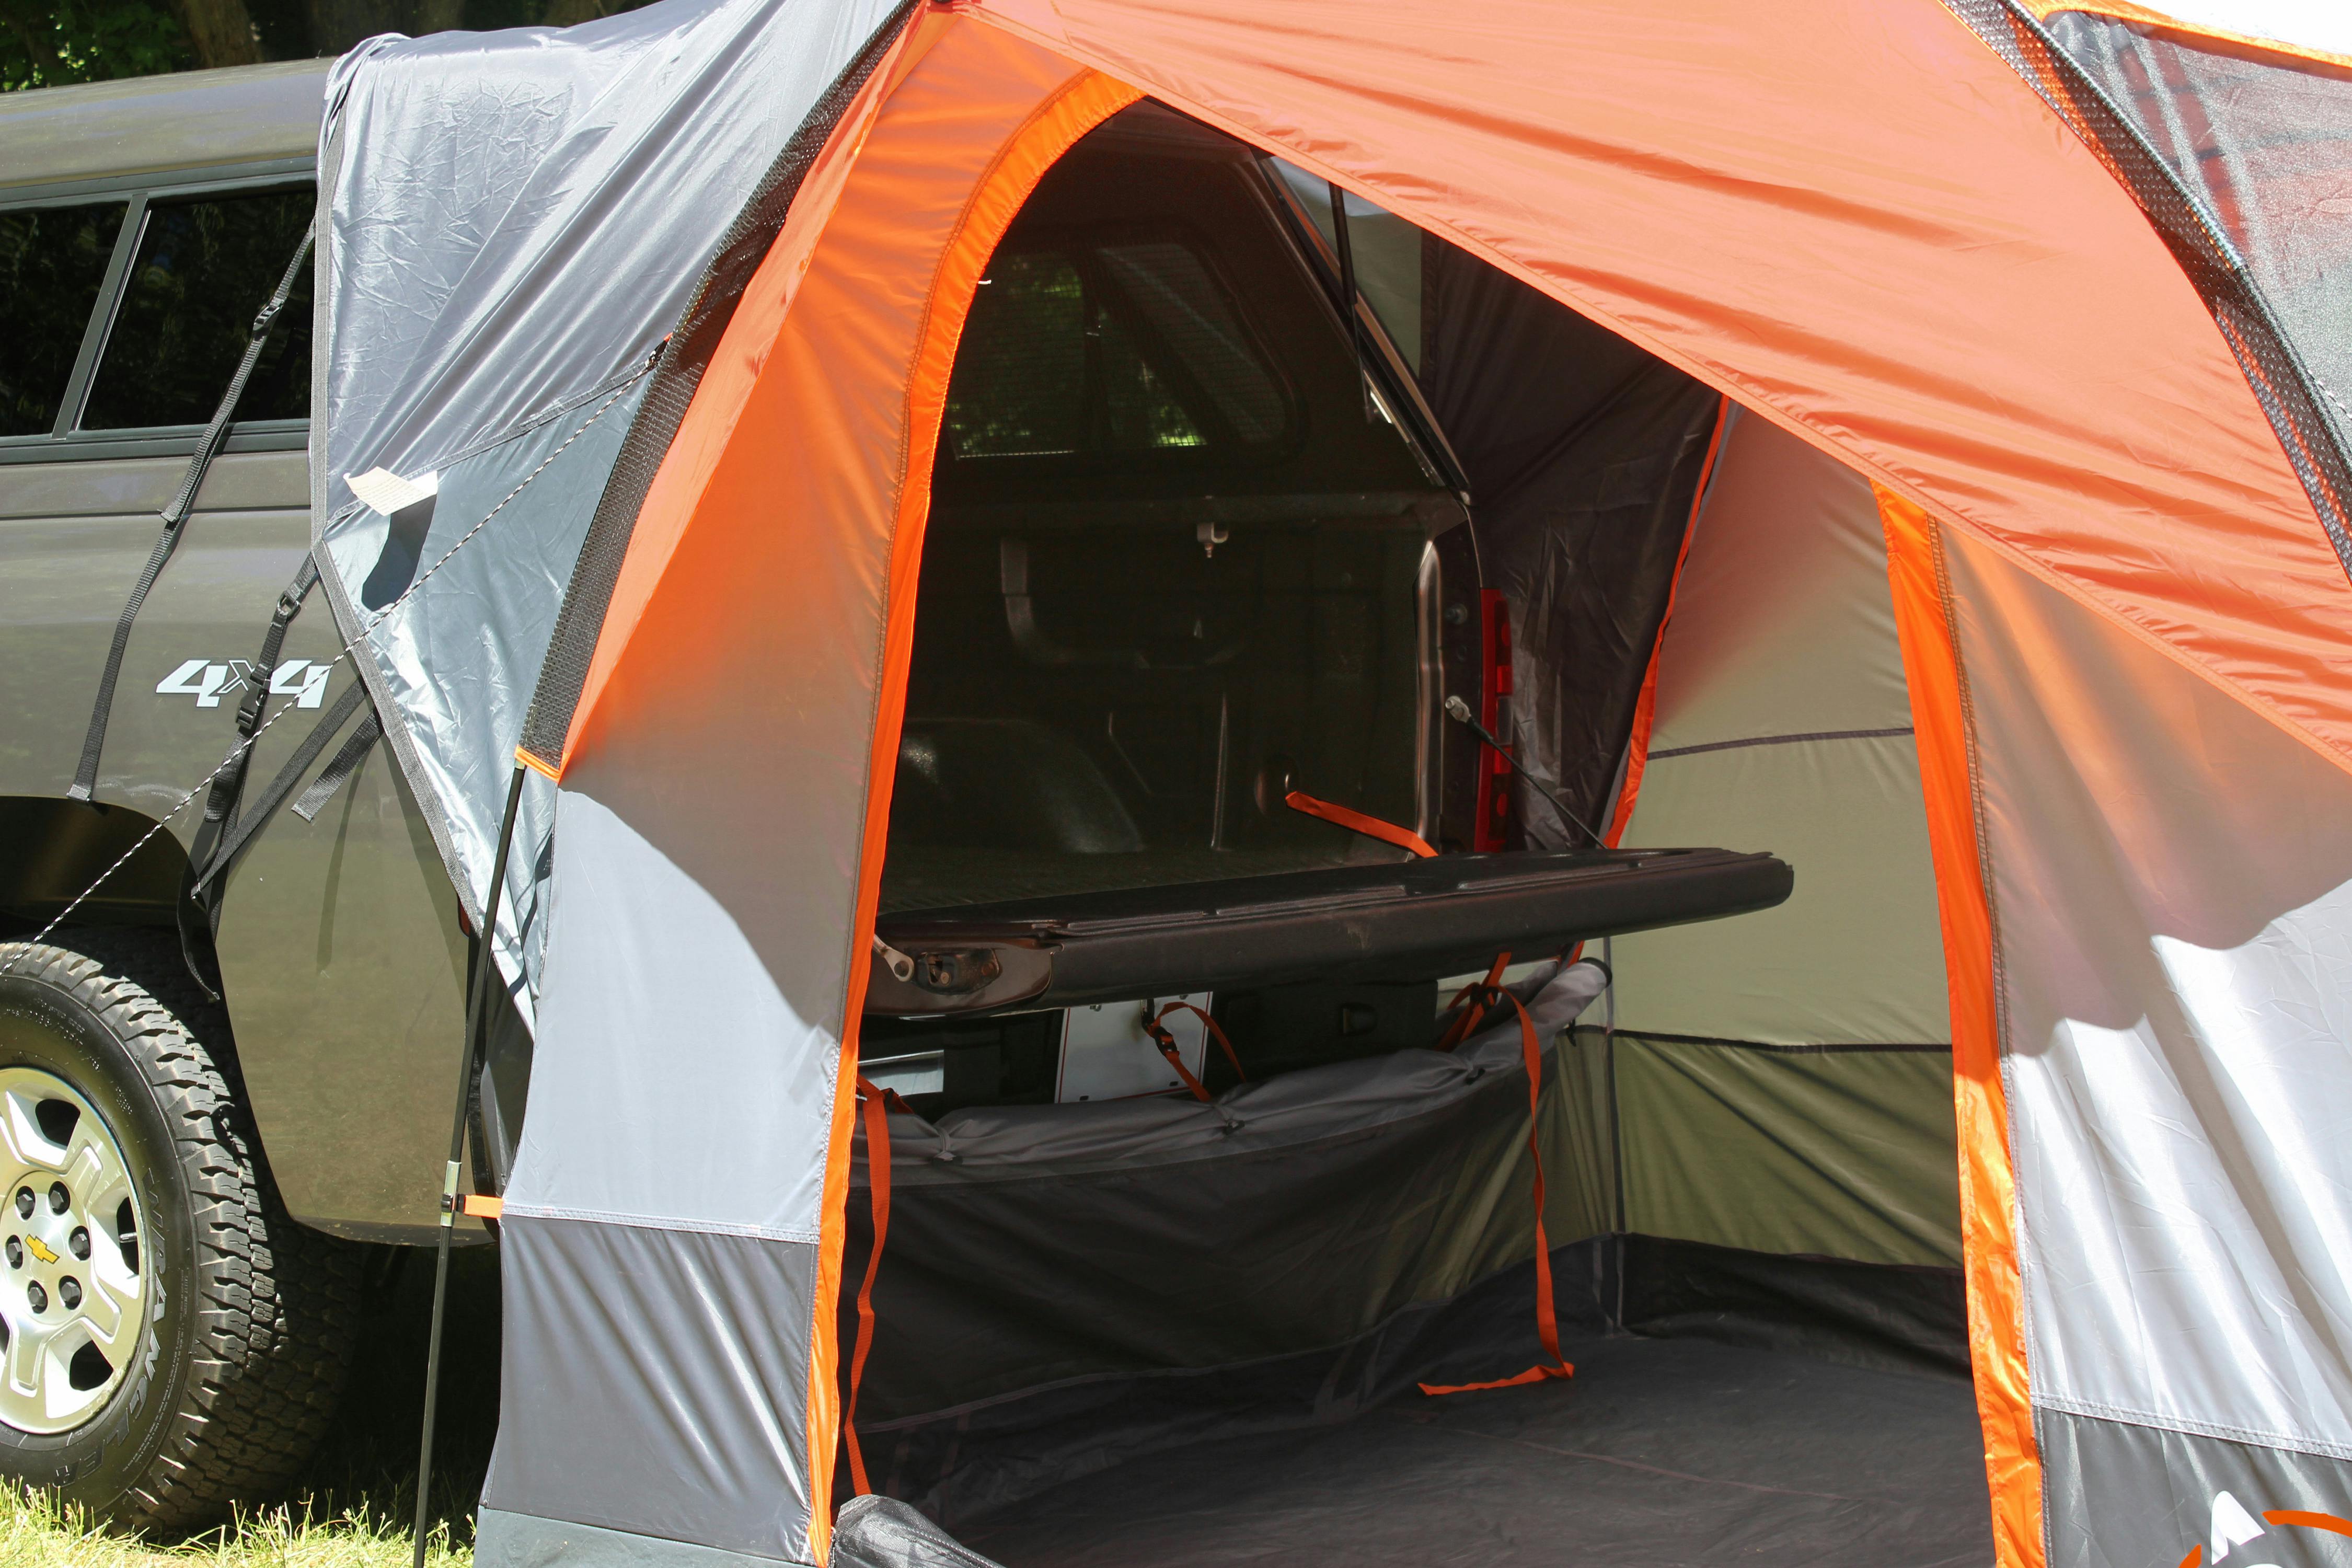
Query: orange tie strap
<point>876,1105</point>
<point>1469,1004</point>
<point>1547,1320</point>
<point>1166,1041</point>
<point>1357,822</point>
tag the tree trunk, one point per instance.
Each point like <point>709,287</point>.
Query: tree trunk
<point>32,30</point>
<point>221,31</point>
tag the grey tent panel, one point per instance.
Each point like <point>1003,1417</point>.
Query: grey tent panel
<point>489,262</point>
<point>730,1055</point>
<point>2123,1493</point>
<point>488,282</point>
<point>503,1539</point>
<point>455,661</point>
<point>677,1358</point>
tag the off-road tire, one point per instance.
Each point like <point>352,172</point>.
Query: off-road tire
<point>249,1339</point>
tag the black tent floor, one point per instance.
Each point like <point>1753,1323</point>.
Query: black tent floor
<point>1659,1454</point>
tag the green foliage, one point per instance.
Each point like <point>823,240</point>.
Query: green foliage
<point>48,43</point>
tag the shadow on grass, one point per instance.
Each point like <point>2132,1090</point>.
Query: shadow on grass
<point>366,1466</point>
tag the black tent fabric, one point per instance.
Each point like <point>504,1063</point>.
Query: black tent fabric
<point>1858,1453</point>
<point>1584,455</point>
<point>1660,1454</point>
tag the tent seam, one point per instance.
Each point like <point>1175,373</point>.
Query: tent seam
<point>655,1222</point>
<point>1922,1047</point>
<point>1884,734</point>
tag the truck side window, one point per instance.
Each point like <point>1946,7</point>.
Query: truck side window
<point>52,264</point>
<point>203,268</point>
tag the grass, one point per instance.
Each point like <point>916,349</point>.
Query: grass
<point>354,1507</point>
<point>35,1532</point>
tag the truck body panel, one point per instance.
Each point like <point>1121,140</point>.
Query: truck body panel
<point>340,951</point>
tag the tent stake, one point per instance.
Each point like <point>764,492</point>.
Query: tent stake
<point>477,1012</point>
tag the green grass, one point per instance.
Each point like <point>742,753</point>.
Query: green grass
<point>35,1532</point>
<point>354,1506</point>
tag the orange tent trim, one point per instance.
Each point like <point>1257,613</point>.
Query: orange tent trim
<point>1939,715</point>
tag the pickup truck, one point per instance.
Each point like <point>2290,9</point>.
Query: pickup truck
<point>177,1310</point>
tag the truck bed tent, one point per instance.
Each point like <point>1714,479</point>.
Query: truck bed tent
<point>1902,440</point>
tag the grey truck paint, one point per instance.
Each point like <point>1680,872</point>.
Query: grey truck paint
<point>339,949</point>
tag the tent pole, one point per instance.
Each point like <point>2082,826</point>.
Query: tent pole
<point>476,1012</point>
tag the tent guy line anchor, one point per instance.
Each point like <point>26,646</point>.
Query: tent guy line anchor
<point>345,652</point>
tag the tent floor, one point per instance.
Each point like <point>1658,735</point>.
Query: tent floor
<point>1660,1452</point>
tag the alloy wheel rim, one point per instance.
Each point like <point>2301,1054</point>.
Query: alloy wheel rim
<point>73,1261</point>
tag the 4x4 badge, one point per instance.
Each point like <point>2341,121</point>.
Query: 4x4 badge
<point>208,683</point>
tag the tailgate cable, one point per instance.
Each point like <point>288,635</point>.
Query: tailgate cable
<point>1459,711</point>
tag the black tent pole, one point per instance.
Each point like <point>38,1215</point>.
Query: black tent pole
<point>477,1012</point>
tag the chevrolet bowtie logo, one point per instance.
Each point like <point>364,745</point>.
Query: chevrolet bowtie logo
<point>39,1251</point>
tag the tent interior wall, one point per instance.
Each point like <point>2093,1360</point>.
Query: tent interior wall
<point>2010,624</point>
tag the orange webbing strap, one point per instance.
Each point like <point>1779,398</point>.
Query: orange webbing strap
<point>1168,1045</point>
<point>1357,822</point>
<point>875,1103</point>
<point>1547,1321</point>
<point>1469,1004</point>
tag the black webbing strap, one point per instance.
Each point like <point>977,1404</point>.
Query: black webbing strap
<point>347,763</point>
<point>220,805</point>
<point>273,795</point>
<point>175,515</point>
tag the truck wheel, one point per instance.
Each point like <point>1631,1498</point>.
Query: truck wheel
<point>170,1341</point>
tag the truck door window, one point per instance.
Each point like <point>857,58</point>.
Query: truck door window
<point>203,268</point>
<point>52,264</point>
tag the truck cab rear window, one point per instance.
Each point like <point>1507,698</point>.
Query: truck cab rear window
<point>1094,343</point>
<point>52,265</point>
<point>204,269</point>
